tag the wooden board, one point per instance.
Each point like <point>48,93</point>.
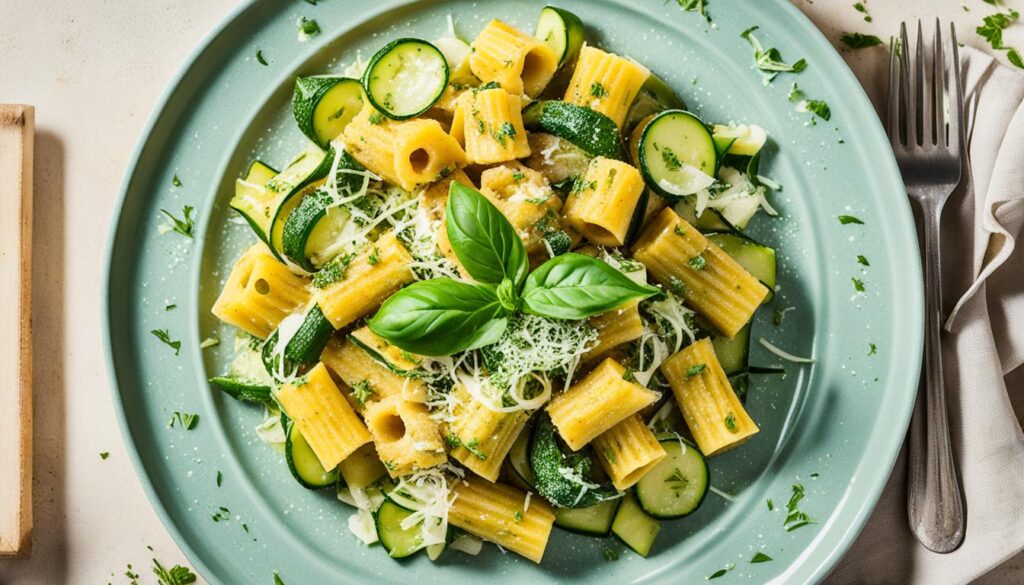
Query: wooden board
<point>17,129</point>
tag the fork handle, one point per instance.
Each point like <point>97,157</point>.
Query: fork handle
<point>934,502</point>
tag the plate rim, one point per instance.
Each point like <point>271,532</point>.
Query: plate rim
<point>858,98</point>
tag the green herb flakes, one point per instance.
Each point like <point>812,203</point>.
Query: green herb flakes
<point>362,391</point>
<point>872,349</point>
<point>771,505</point>
<point>859,7</point>
<point>610,554</point>
<point>261,59</point>
<point>730,422</point>
<point>278,580</point>
<point>720,572</point>
<point>182,226</point>
<point>670,159</point>
<point>220,479</point>
<point>862,260</point>
<point>176,575</point>
<point>856,40</point>
<point>308,28</point>
<point>698,6</point>
<point>165,336</point>
<point>760,557</point>
<point>184,420</point>
<point>770,60</point>
<point>697,262</point>
<point>176,181</point>
<point>376,118</point>
<point>104,455</point>
<point>795,518</point>
<point>858,284</point>
<point>597,90</point>
<point>333,271</point>
<point>992,31</point>
<point>695,370</point>
<point>848,219</point>
<point>473,447</point>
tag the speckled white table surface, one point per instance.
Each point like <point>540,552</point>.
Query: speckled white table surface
<point>94,69</point>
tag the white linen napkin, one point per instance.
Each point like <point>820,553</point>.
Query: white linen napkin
<point>983,289</point>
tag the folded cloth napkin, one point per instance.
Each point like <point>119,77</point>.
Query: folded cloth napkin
<point>983,288</point>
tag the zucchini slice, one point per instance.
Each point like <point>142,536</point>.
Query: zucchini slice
<point>677,154</point>
<point>562,31</point>
<point>676,486</point>
<point>547,458</point>
<point>303,462</point>
<point>324,105</point>
<point>655,96</point>
<point>290,185</point>
<point>399,542</point>
<point>592,131</point>
<point>733,353</point>
<point>244,390</point>
<point>304,346</point>
<point>593,521</point>
<point>710,221</point>
<point>519,459</point>
<point>396,359</point>
<point>633,527</point>
<point>556,158</point>
<point>406,78</point>
<point>311,228</point>
<point>756,258</point>
<point>252,197</point>
<point>739,139</point>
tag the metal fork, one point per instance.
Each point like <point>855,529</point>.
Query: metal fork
<point>926,131</point>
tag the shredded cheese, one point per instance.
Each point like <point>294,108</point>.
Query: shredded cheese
<point>784,354</point>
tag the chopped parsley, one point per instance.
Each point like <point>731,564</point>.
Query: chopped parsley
<point>517,177</point>
<point>489,85</point>
<point>176,181</point>
<point>222,513</point>
<point>480,126</point>
<point>760,557</point>
<point>771,505</point>
<point>581,185</point>
<point>859,7</point>
<point>171,306</point>
<point>518,516</point>
<point>770,60</point>
<point>856,40</point>
<point>376,118</point>
<point>333,271</point>
<point>176,575</point>
<point>183,226</point>
<point>698,6</point>
<point>164,336</point>
<point>677,479</point>
<point>610,554</point>
<point>862,260</point>
<point>308,28</point>
<point>848,219</point>
<point>730,422</point>
<point>818,107</point>
<point>473,447</point>
<point>185,420</point>
<point>676,285</point>
<point>390,465</point>
<point>695,370</point>
<point>780,314</point>
<point>506,132</point>
<point>452,441</point>
<point>278,580</point>
<point>104,455</point>
<point>312,2</point>
<point>679,231</point>
<point>374,257</point>
<point>220,479</point>
<point>858,284</point>
<point>361,391</point>
<point>609,454</point>
<point>992,31</point>
<point>697,262</point>
<point>795,518</point>
<point>629,375</point>
<point>872,349</point>
<point>597,90</point>
<point>670,159</point>
<point>720,572</point>
<point>261,59</point>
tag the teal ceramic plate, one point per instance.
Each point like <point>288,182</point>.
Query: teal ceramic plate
<point>834,427</point>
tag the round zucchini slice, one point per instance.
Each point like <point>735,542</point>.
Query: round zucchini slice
<point>591,131</point>
<point>399,542</point>
<point>548,460</point>
<point>406,78</point>
<point>323,106</point>
<point>676,486</point>
<point>756,258</point>
<point>562,31</point>
<point>655,96</point>
<point>677,154</point>
<point>303,462</point>
<point>311,229</point>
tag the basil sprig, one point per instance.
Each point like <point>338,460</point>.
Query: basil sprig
<point>444,316</point>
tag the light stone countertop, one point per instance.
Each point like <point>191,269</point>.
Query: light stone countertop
<point>94,70</point>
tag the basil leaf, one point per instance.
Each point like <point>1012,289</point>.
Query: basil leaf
<point>574,286</point>
<point>485,242</point>
<point>440,317</point>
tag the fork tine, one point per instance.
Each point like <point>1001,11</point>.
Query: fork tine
<point>940,113</point>
<point>908,112</point>
<point>956,96</point>
<point>894,93</point>
<point>923,120</point>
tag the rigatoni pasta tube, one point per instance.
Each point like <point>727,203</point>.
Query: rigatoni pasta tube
<point>520,63</point>
<point>259,293</point>
<point>503,515</point>
<point>406,437</point>
<point>679,257</point>
<point>602,206</point>
<point>408,153</point>
<point>481,438</point>
<point>375,274</point>
<point>368,378</point>
<point>327,422</point>
<point>489,124</point>
<point>713,413</point>
<point>526,198</point>
<point>606,82</point>
<point>598,402</point>
<point>362,467</point>
<point>614,328</point>
<point>628,451</point>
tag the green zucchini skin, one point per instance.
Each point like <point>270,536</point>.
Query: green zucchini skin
<point>655,96</point>
<point>733,354</point>
<point>593,521</point>
<point>303,463</point>
<point>305,346</point>
<point>377,79</point>
<point>561,30</point>
<point>297,180</point>
<point>243,390</point>
<point>546,457</point>
<point>399,543</point>
<point>591,131</point>
<point>314,93</point>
